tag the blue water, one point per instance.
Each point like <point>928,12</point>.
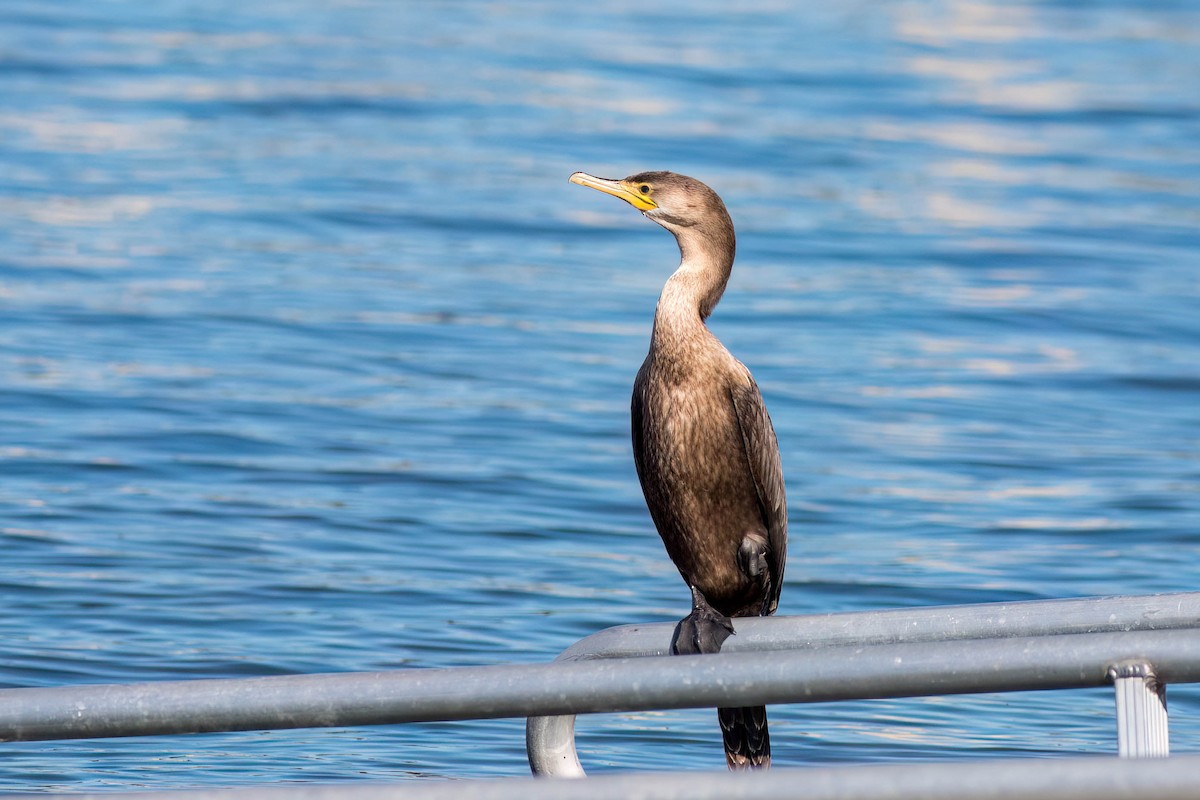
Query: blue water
<point>311,360</point>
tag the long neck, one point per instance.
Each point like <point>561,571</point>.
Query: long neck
<point>691,293</point>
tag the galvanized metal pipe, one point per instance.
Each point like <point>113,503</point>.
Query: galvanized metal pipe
<point>924,624</point>
<point>626,684</point>
<point>1094,778</point>
<point>550,741</point>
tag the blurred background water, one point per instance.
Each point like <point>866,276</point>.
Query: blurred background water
<point>311,360</point>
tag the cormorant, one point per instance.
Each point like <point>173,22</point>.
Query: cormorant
<point>703,444</point>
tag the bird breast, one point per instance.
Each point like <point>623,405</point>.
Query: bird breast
<point>694,470</point>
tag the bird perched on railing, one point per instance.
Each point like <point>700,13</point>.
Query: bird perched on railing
<point>704,447</point>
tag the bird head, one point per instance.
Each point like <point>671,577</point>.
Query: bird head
<point>674,201</point>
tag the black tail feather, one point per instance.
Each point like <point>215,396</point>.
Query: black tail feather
<point>747,740</point>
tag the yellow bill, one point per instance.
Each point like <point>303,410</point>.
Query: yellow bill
<point>637,195</point>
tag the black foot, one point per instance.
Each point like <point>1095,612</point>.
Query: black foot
<point>702,631</point>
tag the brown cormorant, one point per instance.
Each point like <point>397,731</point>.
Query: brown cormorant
<point>703,444</point>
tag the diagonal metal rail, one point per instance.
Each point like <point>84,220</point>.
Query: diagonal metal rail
<point>617,684</point>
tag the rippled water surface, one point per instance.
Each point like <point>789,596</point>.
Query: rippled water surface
<point>311,360</point>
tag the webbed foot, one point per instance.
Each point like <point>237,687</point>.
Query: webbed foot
<point>702,631</point>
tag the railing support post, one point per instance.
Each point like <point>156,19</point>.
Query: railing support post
<point>1141,711</point>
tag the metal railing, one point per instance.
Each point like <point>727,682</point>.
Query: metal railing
<point>990,647</point>
<point>1138,644</point>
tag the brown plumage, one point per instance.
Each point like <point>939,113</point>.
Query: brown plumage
<point>703,444</point>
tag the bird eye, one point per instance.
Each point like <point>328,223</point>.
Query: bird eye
<point>644,189</point>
